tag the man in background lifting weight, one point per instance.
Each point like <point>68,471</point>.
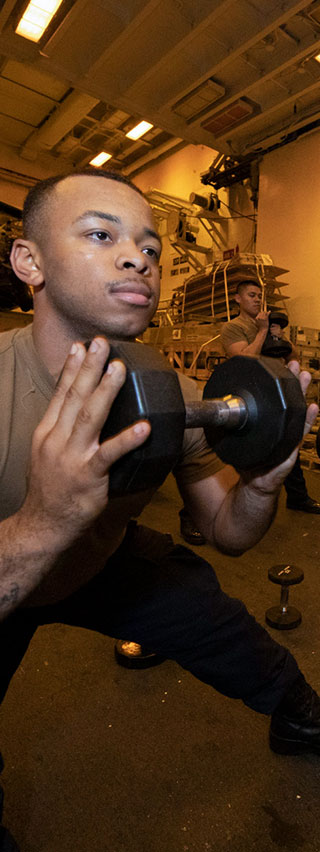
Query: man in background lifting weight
<point>246,335</point>
<point>90,252</point>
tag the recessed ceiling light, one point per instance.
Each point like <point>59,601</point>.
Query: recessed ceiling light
<point>139,130</point>
<point>100,159</point>
<point>36,18</point>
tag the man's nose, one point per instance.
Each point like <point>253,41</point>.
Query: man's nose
<point>131,257</point>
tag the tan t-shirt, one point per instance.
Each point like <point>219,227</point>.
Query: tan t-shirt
<point>26,389</point>
<point>238,329</point>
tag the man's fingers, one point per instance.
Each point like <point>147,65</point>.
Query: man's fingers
<point>304,379</point>
<point>85,381</point>
<point>114,448</point>
<point>71,368</point>
<point>303,376</point>
<point>311,416</point>
<point>294,367</point>
<point>96,409</point>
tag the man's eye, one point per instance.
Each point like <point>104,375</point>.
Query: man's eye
<point>151,252</point>
<point>100,236</point>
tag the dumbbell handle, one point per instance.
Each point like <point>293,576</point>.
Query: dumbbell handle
<point>230,412</point>
<point>284,597</point>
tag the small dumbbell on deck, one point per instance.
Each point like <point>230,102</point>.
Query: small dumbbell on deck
<point>284,617</point>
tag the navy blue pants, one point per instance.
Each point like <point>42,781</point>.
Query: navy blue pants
<point>167,598</point>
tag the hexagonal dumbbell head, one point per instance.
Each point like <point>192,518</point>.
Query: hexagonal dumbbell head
<point>276,412</point>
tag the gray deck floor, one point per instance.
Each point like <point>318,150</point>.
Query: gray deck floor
<point>101,758</point>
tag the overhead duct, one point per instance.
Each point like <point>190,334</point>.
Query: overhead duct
<point>59,123</point>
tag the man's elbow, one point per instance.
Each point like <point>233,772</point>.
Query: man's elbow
<point>226,547</point>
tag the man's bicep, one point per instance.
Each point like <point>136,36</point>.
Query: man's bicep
<point>204,497</point>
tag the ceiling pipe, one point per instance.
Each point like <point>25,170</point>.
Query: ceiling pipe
<point>59,123</point>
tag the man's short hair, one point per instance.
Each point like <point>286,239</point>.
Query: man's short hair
<point>247,282</point>
<point>38,195</point>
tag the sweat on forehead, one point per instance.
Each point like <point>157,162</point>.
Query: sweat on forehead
<point>37,202</point>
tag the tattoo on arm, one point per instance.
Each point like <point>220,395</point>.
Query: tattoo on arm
<point>10,597</point>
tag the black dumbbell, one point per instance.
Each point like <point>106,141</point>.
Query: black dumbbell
<point>276,347</point>
<point>278,318</point>
<point>284,617</point>
<point>253,414</point>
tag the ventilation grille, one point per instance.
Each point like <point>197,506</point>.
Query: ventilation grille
<point>228,118</point>
<point>200,99</point>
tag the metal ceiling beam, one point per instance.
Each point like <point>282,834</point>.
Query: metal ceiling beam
<point>262,22</point>
<point>248,127</point>
<point>284,133</point>
<point>239,90</point>
<point>192,27</point>
<point>60,122</point>
<point>5,12</point>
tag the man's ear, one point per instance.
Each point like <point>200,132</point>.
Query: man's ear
<point>26,262</point>
<point>237,298</point>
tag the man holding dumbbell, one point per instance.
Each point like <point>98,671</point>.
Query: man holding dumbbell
<point>70,554</point>
<point>251,333</point>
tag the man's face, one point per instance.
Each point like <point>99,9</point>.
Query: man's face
<point>100,258</point>
<point>249,300</point>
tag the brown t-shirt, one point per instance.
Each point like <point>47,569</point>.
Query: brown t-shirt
<point>243,328</point>
<point>238,329</point>
<point>26,389</point>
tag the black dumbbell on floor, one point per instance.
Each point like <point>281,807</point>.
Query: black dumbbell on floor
<point>284,617</point>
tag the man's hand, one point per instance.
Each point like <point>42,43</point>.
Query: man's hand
<point>273,479</point>
<point>68,485</point>
<point>276,330</point>
<point>262,320</point>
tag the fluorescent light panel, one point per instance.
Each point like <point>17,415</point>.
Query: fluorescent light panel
<point>36,18</point>
<point>139,130</point>
<point>100,159</point>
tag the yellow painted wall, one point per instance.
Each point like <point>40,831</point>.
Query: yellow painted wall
<point>179,175</point>
<point>289,223</point>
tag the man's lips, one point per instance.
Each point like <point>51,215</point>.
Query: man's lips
<point>134,292</point>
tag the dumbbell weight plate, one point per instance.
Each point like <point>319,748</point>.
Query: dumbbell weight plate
<point>151,392</point>
<point>276,347</point>
<point>276,412</point>
<point>283,620</point>
<point>278,318</point>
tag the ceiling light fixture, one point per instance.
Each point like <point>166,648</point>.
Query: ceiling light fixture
<point>317,57</point>
<point>100,159</point>
<point>36,18</point>
<point>139,130</point>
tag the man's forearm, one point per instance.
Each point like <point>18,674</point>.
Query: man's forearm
<point>255,347</point>
<point>244,517</point>
<point>26,556</point>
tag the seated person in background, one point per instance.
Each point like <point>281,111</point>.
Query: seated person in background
<point>71,554</point>
<point>246,335</point>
